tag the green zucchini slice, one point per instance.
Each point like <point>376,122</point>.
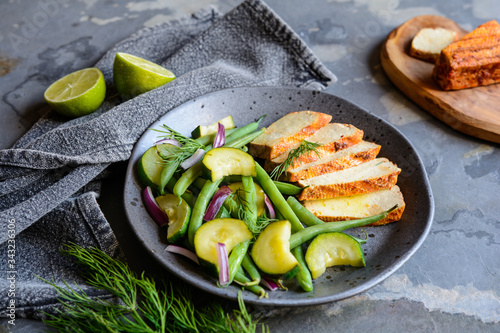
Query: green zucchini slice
<point>271,251</point>
<point>332,249</point>
<point>178,212</point>
<point>221,162</point>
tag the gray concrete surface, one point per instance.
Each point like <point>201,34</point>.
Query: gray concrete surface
<point>451,284</point>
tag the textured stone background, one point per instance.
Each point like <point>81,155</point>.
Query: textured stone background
<point>451,284</point>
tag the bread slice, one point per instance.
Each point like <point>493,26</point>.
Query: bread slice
<point>287,132</point>
<point>367,177</point>
<point>342,159</point>
<point>359,206</point>
<point>332,137</point>
<point>428,43</point>
<point>471,61</point>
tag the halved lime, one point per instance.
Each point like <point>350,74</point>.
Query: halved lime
<point>78,93</point>
<point>133,76</point>
<point>178,212</point>
<point>332,249</point>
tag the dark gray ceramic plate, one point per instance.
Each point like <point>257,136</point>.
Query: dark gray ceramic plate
<point>388,247</point>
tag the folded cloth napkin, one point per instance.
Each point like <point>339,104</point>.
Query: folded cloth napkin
<point>50,179</point>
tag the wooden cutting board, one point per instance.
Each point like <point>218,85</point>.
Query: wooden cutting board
<point>474,111</point>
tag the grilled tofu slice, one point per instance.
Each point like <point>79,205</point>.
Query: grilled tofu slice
<point>367,177</point>
<point>332,137</point>
<point>472,61</point>
<point>359,206</point>
<point>287,132</point>
<point>339,160</point>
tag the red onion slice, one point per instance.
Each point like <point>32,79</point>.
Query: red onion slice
<point>270,208</point>
<point>216,203</point>
<point>220,137</point>
<point>195,158</point>
<point>170,141</point>
<point>152,207</point>
<point>269,283</point>
<point>223,263</point>
<point>182,251</point>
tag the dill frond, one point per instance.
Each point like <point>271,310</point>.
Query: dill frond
<point>178,154</point>
<point>304,148</point>
<point>145,305</point>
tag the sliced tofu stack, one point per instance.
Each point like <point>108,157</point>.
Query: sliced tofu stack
<point>344,179</point>
<point>359,206</point>
<point>287,132</point>
<point>371,176</point>
<point>332,137</point>
<point>339,160</point>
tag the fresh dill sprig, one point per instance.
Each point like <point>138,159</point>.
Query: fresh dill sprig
<point>178,154</point>
<point>304,148</point>
<point>143,304</point>
<point>262,222</point>
<point>255,227</point>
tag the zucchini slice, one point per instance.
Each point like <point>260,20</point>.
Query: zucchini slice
<point>229,231</point>
<point>332,249</point>
<point>221,162</point>
<point>210,129</point>
<point>178,212</point>
<point>271,251</point>
<point>150,164</point>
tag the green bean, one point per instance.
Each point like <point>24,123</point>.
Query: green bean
<point>209,138</point>
<point>307,217</point>
<point>287,188</point>
<point>250,197</point>
<point>166,174</point>
<point>188,197</point>
<point>246,139</point>
<point>304,277</point>
<point>242,131</point>
<point>199,208</point>
<point>308,233</point>
<point>304,215</point>
<point>236,258</point>
<point>292,273</point>
<point>277,198</point>
<point>187,178</point>
<point>241,278</point>
<point>199,183</point>
<point>251,269</point>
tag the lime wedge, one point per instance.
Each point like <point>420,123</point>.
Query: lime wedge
<point>78,93</point>
<point>133,76</point>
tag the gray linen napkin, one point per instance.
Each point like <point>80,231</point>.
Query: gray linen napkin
<point>50,179</point>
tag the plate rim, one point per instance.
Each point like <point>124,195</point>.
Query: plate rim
<point>223,292</point>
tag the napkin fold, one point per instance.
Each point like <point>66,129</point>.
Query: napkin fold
<point>50,179</point>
